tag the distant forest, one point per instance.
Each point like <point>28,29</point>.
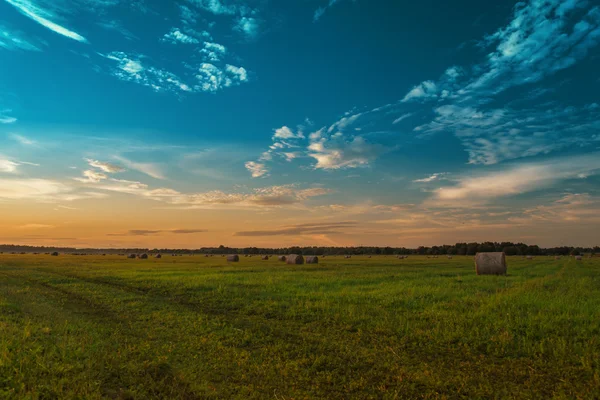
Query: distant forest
<point>509,248</point>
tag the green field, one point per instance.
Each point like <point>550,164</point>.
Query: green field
<point>195,327</point>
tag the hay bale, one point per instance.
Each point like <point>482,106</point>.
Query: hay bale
<point>265,258</point>
<point>579,258</point>
<point>449,257</point>
<point>294,259</point>
<point>557,258</point>
<point>282,258</point>
<point>369,257</point>
<point>312,260</point>
<point>54,254</point>
<point>233,258</point>
<point>529,257</point>
<point>144,256</point>
<point>490,263</point>
<point>131,256</point>
<point>158,256</point>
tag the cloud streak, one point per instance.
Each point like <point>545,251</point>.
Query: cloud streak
<point>30,10</point>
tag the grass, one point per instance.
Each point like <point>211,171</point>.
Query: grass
<point>91,327</point>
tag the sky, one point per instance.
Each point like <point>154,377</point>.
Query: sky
<point>190,123</point>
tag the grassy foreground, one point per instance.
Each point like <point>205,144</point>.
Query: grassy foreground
<point>194,327</point>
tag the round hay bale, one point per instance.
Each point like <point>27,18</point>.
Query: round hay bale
<point>158,256</point>
<point>369,257</point>
<point>54,254</point>
<point>490,263</point>
<point>557,258</point>
<point>282,258</point>
<point>131,256</point>
<point>144,256</point>
<point>312,260</point>
<point>233,258</point>
<point>579,258</point>
<point>294,259</point>
<point>265,258</point>
<point>529,257</point>
<point>449,257</point>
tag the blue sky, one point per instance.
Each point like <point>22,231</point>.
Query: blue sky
<point>405,123</point>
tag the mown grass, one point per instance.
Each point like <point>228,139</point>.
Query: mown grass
<point>194,328</point>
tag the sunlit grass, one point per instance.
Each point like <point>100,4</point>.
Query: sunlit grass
<point>195,327</point>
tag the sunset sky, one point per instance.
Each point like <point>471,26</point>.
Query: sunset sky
<point>300,122</point>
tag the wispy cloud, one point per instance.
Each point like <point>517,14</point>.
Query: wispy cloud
<point>42,17</point>
<point>15,40</point>
<point>8,166</point>
<point>431,178</point>
<point>6,119</point>
<point>152,232</point>
<point>518,179</point>
<point>256,169</point>
<point>153,170</point>
<point>132,68</point>
<point>304,229</point>
<point>319,12</point>
<point>42,190</point>
<point>23,140</point>
<point>176,36</point>
<point>105,166</point>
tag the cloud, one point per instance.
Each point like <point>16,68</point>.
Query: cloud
<point>8,166</point>
<point>150,169</point>
<point>304,229</point>
<point>14,40</point>
<point>41,16</point>
<point>272,196</point>
<point>216,7</point>
<point>41,190</point>
<point>4,119</point>
<point>91,176</point>
<point>320,11</point>
<point>427,89</point>
<point>431,178</point>
<point>402,118</point>
<point>496,135</point>
<point>337,152</point>
<point>151,232</point>
<point>518,179</point>
<point>35,226</point>
<point>187,231</point>
<point>286,133</point>
<point>131,68</point>
<point>248,26</point>
<point>176,36</point>
<point>105,166</point>
<point>257,169</point>
<point>212,78</point>
<point>23,140</point>
<point>213,52</point>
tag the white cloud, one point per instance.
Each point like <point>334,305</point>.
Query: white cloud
<point>423,90</point>
<point>212,78</point>
<point>41,190</point>
<point>91,176</point>
<point>41,16</point>
<point>130,68</point>
<point>516,180</point>
<point>402,118</point>
<point>23,140</point>
<point>150,169</point>
<point>337,152</point>
<point>105,166</point>
<point>176,36</point>
<point>256,169</point>
<point>286,133</point>
<point>8,166</point>
<point>431,178</point>
<point>249,26</point>
<point>15,40</point>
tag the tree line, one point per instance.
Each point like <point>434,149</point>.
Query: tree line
<point>511,249</point>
